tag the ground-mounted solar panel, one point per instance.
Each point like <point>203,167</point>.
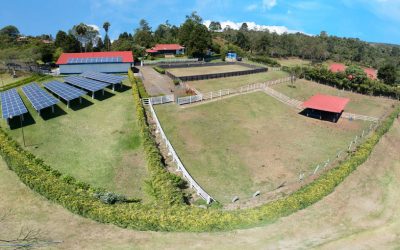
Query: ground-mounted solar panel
<point>12,104</point>
<point>113,79</point>
<point>38,97</point>
<point>64,91</point>
<point>84,83</point>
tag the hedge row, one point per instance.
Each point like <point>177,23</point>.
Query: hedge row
<point>169,213</point>
<point>33,78</point>
<point>162,185</point>
<point>264,60</point>
<point>340,80</point>
<point>139,84</point>
<point>159,70</point>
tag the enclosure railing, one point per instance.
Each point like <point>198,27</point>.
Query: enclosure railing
<point>225,92</point>
<point>180,167</point>
<point>158,99</point>
<point>167,61</point>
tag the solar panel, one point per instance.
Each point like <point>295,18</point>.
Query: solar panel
<point>39,98</point>
<point>113,79</point>
<point>85,83</point>
<point>64,91</point>
<point>94,60</point>
<point>12,104</point>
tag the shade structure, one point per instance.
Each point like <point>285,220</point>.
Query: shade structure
<point>326,103</point>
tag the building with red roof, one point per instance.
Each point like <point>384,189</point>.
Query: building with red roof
<point>105,62</point>
<point>165,49</point>
<point>339,67</point>
<point>325,106</point>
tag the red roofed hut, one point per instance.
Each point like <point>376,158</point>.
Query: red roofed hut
<point>166,49</point>
<point>325,107</point>
<point>105,62</point>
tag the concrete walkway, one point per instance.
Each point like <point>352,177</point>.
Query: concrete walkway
<point>155,83</point>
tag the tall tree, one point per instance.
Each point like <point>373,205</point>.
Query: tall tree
<point>215,26</point>
<point>388,74</point>
<point>10,30</point>
<point>67,42</point>
<point>85,33</point>
<point>107,42</point>
<point>143,36</point>
<point>244,27</point>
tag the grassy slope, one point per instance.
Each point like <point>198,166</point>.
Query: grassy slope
<point>99,144</point>
<point>290,62</point>
<point>238,146</point>
<point>237,81</point>
<point>6,78</point>
<point>361,213</point>
<point>361,104</point>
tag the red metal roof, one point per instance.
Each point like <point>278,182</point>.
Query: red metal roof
<point>327,103</point>
<point>337,67</point>
<point>127,56</point>
<point>371,73</point>
<point>151,51</point>
<point>161,47</point>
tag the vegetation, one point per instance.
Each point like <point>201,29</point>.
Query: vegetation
<point>159,69</point>
<point>33,78</point>
<point>80,197</point>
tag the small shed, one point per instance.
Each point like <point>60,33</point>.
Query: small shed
<point>325,107</point>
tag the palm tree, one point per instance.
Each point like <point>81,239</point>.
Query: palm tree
<point>106,26</point>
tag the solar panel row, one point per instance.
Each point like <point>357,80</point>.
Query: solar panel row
<point>12,104</point>
<point>94,60</point>
<point>39,98</point>
<point>64,91</point>
<point>113,79</point>
<point>85,83</point>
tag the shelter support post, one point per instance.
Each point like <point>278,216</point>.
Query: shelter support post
<point>80,99</point>
<point>52,109</point>
<point>67,104</point>
<point>93,95</point>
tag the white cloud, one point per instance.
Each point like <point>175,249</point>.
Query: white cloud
<point>94,26</point>
<point>254,26</point>
<point>251,7</point>
<point>268,4</point>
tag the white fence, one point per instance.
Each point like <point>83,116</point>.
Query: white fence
<point>158,99</point>
<point>225,92</point>
<point>171,151</point>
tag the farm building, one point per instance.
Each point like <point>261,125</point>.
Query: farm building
<point>105,62</point>
<point>325,107</point>
<point>339,67</point>
<point>166,49</point>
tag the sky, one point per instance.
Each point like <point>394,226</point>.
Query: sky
<point>369,20</point>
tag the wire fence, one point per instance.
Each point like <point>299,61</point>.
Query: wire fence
<point>180,167</point>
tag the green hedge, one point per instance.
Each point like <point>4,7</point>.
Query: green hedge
<point>159,69</point>
<point>264,60</point>
<point>139,84</point>
<point>169,213</point>
<point>33,78</point>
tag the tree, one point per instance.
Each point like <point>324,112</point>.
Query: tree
<point>68,43</point>
<point>244,27</point>
<point>242,41</point>
<point>85,33</point>
<point>215,26</point>
<point>143,35</point>
<point>195,36</point>
<point>10,31</point>
<point>107,41</point>
<point>388,74</point>
<point>356,74</point>
<point>99,45</point>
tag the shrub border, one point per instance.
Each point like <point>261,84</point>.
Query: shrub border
<point>168,213</point>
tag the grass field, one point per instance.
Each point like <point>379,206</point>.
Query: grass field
<point>251,142</point>
<point>290,62</point>
<point>360,104</point>
<point>236,81</point>
<point>361,213</point>
<point>207,70</point>
<point>6,78</point>
<point>97,142</point>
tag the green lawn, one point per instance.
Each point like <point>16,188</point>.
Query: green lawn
<point>290,62</point>
<point>236,81</point>
<point>97,142</point>
<point>6,78</point>
<point>251,142</point>
<point>360,104</point>
<point>207,70</point>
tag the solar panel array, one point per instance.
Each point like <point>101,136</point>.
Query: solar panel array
<point>113,79</point>
<point>95,60</point>
<point>39,98</point>
<point>12,104</point>
<point>64,91</point>
<point>85,83</point>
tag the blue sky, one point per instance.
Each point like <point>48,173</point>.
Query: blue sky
<point>370,20</point>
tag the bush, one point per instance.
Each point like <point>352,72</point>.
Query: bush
<point>33,78</point>
<point>159,70</point>
<point>264,60</point>
<point>176,82</point>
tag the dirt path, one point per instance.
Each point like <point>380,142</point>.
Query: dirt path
<point>156,84</point>
<point>361,214</point>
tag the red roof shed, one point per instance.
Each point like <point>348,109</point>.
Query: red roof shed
<point>326,103</point>
<point>127,56</point>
